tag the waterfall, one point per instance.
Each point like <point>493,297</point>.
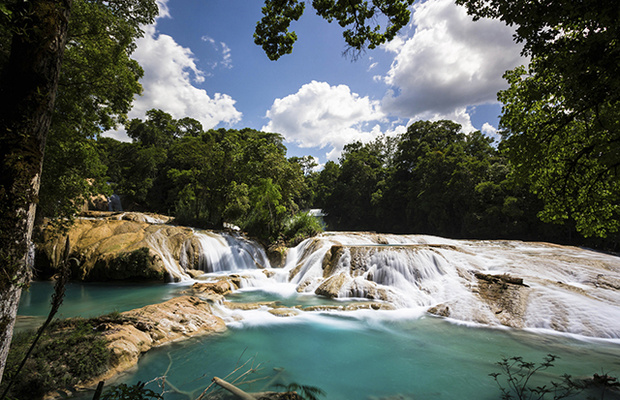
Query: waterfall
<point>224,252</point>
<point>564,289</point>
<point>497,283</point>
<point>162,244</point>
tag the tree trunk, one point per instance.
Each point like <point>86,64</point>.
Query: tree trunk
<point>27,93</point>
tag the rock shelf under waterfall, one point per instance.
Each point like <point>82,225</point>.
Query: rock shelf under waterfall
<point>496,283</point>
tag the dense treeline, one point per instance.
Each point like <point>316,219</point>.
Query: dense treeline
<point>433,179</point>
<point>437,180</point>
<point>206,178</point>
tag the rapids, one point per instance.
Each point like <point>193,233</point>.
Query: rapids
<point>568,304</point>
<point>565,289</point>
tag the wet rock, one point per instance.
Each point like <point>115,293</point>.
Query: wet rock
<point>194,273</point>
<point>332,285</point>
<point>276,253</point>
<point>506,297</point>
<point>441,310</point>
<point>250,306</point>
<point>221,287</point>
<point>284,312</point>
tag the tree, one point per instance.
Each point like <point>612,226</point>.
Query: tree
<point>98,80</point>
<point>28,91</point>
<point>561,114</point>
<point>27,95</point>
<point>360,18</point>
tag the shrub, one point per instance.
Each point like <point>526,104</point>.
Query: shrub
<point>69,352</point>
<point>299,227</point>
<point>517,375</point>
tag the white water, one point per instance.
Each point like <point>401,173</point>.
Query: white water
<point>367,354</point>
<point>570,290</point>
<point>224,252</point>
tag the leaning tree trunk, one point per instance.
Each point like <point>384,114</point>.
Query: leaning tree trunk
<point>27,93</point>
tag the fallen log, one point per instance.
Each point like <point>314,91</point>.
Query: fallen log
<point>233,389</point>
<point>254,396</point>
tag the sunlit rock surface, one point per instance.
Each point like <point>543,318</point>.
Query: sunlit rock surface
<point>121,246</point>
<point>134,332</point>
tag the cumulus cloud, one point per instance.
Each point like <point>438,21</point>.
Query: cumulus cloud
<point>169,83</point>
<point>321,115</point>
<point>449,62</point>
<point>458,115</point>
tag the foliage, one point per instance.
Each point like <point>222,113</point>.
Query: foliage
<point>300,227</point>
<point>306,392</point>
<point>69,352</point>
<point>97,83</point>
<point>136,263</point>
<point>360,18</point>
<point>560,116</point>
<point>517,376</point>
<point>131,392</point>
<point>206,178</point>
<point>432,179</point>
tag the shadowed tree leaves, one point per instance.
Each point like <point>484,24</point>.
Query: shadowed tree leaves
<point>361,21</point>
<point>561,113</point>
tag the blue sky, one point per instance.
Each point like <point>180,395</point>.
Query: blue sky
<point>200,61</point>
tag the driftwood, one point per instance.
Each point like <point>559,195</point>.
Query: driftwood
<point>233,389</point>
<point>253,396</point>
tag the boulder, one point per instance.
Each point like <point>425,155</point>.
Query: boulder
<point>506,297</point>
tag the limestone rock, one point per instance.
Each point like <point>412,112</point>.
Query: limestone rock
<point>136,331</point>
<point>121,246</point>
<point>332,285</point>
<point>284,312</point>
<point>222,287</point>
<point>506,297</point>
<point>276,253</point>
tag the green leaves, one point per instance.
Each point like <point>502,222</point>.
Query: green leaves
<point>358,17</point>
<point>561,115</point>
<point>272,31</point>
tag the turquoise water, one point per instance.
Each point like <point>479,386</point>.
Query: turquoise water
<point>359,355</point>
<point>426,358</point>
<point>90,299</point>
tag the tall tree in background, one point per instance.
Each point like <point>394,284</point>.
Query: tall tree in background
<point>97,84</point>
<point>561,117</point>
<point>28,91</point>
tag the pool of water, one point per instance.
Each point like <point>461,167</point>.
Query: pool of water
<point>90,299</point>
<point>364,355</point>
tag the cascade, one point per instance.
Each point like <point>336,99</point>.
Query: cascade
<point>224,252</point>
<point>497,283</point>
<point>511,283</point>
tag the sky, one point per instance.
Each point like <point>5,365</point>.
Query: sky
<point>200,61</point>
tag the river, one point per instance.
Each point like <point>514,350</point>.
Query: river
<point>404,353</point>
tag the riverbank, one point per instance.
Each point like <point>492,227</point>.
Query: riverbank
<point>114,341</point>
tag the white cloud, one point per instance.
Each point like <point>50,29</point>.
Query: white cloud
<point>449,63</point>
<point>491,131</point>
<point>321,115</point>
<point>458,115</point>
<point>170,76</point>
<point>164,12</point>
<point>226,56</point>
